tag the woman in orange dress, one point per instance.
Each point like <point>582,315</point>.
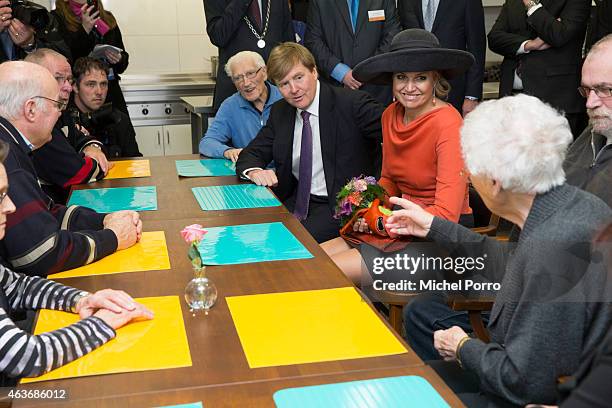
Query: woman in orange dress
<point>421,150</point>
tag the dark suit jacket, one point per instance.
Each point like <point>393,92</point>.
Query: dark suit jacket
<point>330,36</point>
<point>459,24</point>
<point>552,75</point>
<point>229,32</point>
<point>351,138</point>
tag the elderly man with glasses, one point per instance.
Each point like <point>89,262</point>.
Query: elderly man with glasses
<point>43,237</point>
<point>72,156</point>
<point>589,160</point>
<point>243,114</point>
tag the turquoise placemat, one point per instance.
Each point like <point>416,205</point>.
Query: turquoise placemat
<point>234,197</point>
<point>106,200</point>
<point>205,168</point>
<point>391,392</point>
<point>239,244</point>
<point>192,405</point>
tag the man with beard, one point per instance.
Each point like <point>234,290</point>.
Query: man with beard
<point>589,160</point>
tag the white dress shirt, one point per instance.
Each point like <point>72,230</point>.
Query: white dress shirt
<point>318,186</point>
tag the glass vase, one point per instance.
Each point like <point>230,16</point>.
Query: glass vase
<point>200,292</point>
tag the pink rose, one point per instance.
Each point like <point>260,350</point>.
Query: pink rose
<point>193,232</point>
<point>361,185</point>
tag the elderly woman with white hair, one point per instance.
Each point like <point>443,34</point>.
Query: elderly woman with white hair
<point>551,310</point>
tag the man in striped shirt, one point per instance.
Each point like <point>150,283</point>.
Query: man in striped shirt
<point>26,355</point>
<point>41,236</point>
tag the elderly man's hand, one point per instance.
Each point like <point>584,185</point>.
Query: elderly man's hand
<point>98,155</point>
<point>113,300</point>
<point>22,35</point>
<point>126,225</point>
<point>232,154</point>
<point>263,177</point>
<point>412,220</point>
<point>6,14</point>
<point>447,341</point>
<point>117,320</point>
<point>468,106</point>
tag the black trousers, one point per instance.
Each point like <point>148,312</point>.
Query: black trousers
<point>320,222</point>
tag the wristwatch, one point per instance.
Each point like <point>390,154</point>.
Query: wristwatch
<point>78,297</point>
<point>531,3</point>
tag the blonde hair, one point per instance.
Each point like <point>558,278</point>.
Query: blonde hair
<point>285,56</point>
<point>442,87</point>
<point>73,23</point>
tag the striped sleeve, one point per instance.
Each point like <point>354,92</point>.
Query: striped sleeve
<point>23,354</point>
<point>26,355</point>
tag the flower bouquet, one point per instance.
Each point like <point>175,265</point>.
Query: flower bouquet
<point>361,198</point>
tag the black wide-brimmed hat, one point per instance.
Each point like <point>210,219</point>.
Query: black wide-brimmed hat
<point>413,50</point>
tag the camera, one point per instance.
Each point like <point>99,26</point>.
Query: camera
<point>30,13</point>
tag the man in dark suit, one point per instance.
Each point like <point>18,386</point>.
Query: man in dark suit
<point>244,25</point>
<point>342,33</point>
<point>318,136</point>
<point>457,24</point>
<point>542,47</point>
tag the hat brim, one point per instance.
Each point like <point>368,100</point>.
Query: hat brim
<point>380,68</point>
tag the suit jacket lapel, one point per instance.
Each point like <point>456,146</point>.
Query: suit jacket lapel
<point>362,15</point>
<point>440,12</point>
<point>327,132</point>
<point>342,6</point>
<point>418,4</point>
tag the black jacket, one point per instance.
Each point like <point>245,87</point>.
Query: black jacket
<point>351,138</point>
<point>81,44</point>
<point>227,30</point>
<point>330,37</point>
<point>553,75</point>
<point>459,24</point>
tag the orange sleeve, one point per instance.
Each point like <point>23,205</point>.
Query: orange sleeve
<point>451,187</point>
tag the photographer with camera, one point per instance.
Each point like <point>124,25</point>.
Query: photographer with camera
<point>85,24</point>
<point>106,123</point>
<point>26,26</point>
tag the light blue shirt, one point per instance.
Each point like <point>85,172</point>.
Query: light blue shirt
<point>237,123</point>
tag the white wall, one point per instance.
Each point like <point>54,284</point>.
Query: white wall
<point>169,36</point>
<point>162,36</point>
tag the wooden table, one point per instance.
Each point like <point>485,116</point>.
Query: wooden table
<point>220,375</point>
<point>247,394</point>
<point>175,199</point>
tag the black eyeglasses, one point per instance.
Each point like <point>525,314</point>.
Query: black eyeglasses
<point>61,79</point>
<point>600,91</point>
<point>58,104</point>
<point>248,75</point>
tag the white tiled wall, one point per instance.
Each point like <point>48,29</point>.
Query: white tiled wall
<point>169,36</point>
<point>162,36</point>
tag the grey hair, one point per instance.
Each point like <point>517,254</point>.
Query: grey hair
<point>600,44</point>
<point>519,141</point>
<point>40,55</point>
<point>16,90</point>
<point>241,56</point>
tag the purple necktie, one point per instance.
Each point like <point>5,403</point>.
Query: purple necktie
<point>255,13</point>
<point>305,174</point>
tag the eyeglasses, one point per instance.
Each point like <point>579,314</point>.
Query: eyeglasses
<point>61,79</point>
<point>248,75</point>
<point>600,91</point>
<point>58,104</point>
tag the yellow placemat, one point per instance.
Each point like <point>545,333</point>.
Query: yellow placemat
<point>150,254</point>
<point>311,326</point>
<point>141,346</point>
<point>129,169</point>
